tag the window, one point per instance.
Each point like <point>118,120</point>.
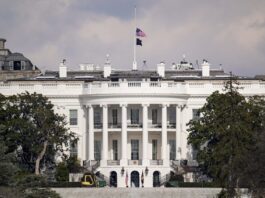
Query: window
<point>73,116</point>
<point>135,149</point>
<point>23,65</point>
<point>195,114</point>
<point>115,149</point>
<point>11,65</point>
<point>134,116</point>
<point>73,149</point>
<point>154,149</point>
<point>172,116</point>
<point>154,116</point>
<point>97,149</point>
<point>97,117</point>
<point>172,148</point>
<point>17,65</point>
<point>114,116</point>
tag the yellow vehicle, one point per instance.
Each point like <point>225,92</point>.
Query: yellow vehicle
<point>89,180</point>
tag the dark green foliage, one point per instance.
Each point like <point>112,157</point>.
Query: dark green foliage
<point>226,133</point>
<point>33,130</point>
<point>41,193</point>
<point>8,169</point>
<point>62,172</point>
<point>8,192</point>
<point>31,181</point>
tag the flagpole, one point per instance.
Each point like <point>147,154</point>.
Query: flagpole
<point>134,42</point>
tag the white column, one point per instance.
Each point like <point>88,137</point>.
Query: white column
<point>85,135</point>
<point>91,132</point>
<point>178,141</point>
<point>164,153</point>
<point>145,135</point>
<point>124,160</point>
<point>105,135</point>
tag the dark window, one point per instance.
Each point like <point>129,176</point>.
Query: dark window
<point>172,147</point>
<point>135,149</point>
<point>73,116</point>
<point>115,116</point>
<point>97,149</point>
<point>17,65</point>
<point>73,149</point>
<point>134,116</point>
<point>154,116</point>
<point>115,149</point>
<point>195,114</point>
<point>154,149</point>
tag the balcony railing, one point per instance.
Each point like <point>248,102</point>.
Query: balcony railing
<point>98,125</point>
<point>113,162</point>
<point>158,125</point>
<point>114,125</point>
<point>156,162</point>
<point>171,125</point>
<point>134,162</point>
<point>139,125</point>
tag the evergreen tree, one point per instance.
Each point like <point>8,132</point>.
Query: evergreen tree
<point>225,134</point>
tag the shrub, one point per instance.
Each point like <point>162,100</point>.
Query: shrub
<point>62,172</point>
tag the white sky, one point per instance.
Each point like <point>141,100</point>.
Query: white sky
<point>230,33</point>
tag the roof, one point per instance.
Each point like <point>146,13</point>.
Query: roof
<point>16,57</point>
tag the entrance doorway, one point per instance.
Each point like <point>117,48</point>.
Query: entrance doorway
<point>135,179</point>
<point>113,179</point>
<point>156,179</point>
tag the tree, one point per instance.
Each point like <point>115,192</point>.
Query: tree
<point>225,134</point>
<point>32,128</point>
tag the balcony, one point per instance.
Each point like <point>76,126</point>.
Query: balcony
<point>134,162</point>
<point>171,125</point>
<point>98,125</point>
<point>136,125</point>
<point>156,162</point>
<point>114,125</point>
<point>113,162</point>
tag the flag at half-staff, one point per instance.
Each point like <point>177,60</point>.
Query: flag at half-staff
<point>138,41</point>
<point>140,33</point>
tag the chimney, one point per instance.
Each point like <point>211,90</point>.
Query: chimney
<point>161,69</point>
<point>205,68</point>
<point>2,43</point>
<point>107,67</point>
<point>63,69</point>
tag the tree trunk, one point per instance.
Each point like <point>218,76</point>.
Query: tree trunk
<point>40,156</point>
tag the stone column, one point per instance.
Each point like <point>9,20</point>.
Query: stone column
<point>124,160</point>
<point>178,141</point>
<point>164,153</point>
<point>85,135</point>
<point>105,135</point>
<point>91,132</point>
<point>145,135</point>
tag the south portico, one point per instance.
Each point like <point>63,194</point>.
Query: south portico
<point>134,137</point>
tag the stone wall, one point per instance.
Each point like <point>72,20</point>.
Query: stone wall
<point>138,192</point>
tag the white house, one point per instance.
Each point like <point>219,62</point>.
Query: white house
<point>131,124</point>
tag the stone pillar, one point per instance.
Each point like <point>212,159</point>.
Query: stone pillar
<point>145,135</point>
<point>178,136</point>
<point>105,135</point>
<point>124,160</point>
<point>85,135</point>
<point>164,153</point>
<point>91,132</point>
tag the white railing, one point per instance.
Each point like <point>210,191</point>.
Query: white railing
<point>134,84</point>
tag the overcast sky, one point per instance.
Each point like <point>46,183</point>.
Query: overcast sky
<point>230,33</point>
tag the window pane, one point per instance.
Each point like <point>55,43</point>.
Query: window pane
<point>115,149</point>
<point>154,149</point>
<point>97,117</point>
<point>172,145</point>
<point>114,116</point>
<point>73,149</point>
<point>73,116</point>
<point>135,149</point>
<point>195,114</point>
<point>134,116</point>
<point>154,116</point>
<point>97,150</point>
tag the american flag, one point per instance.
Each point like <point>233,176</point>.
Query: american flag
<point>140,33</point>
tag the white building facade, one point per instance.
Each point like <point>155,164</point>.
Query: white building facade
<point>132,125</point>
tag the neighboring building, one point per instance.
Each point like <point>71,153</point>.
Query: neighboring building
<point>15,65</point>
<point>131,124</point>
